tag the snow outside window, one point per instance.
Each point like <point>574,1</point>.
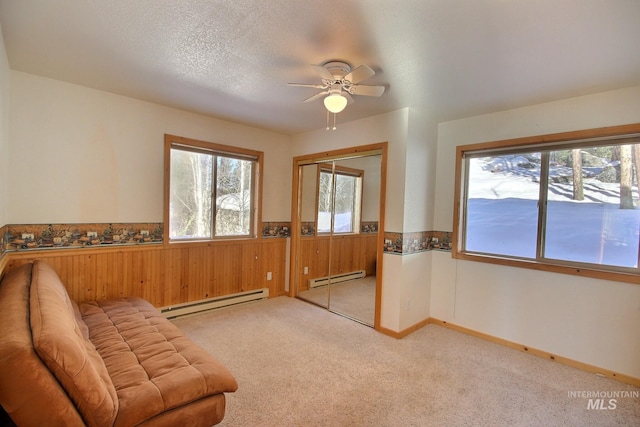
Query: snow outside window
<point>502,205</point>
<point>574,205</point>
<point>346,216</point>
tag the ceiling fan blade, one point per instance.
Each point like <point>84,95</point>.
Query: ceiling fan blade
<point>367,90</point>
<point>315,86</point>
<point>350,99</point>
<point>317,96</point>
<point>359,74</point>
<point>323,72</point>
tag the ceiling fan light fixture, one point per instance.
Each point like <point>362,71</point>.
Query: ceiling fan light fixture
<point>335,102</point>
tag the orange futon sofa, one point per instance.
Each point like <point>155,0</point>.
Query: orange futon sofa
<point>103,363</point>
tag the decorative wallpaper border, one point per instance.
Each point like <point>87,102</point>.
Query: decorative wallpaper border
<point>17,237</point>
<point>308,228</point>
<point>369,227</point>
<point>408,243</point>
<point>276,229</point>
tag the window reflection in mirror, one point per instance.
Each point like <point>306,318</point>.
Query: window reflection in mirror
<point>339,213</point>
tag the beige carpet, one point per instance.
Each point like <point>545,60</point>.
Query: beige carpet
<point>354,298</point>
<point>300,365</point>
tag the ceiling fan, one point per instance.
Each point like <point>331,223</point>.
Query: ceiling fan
<point>339,82</point>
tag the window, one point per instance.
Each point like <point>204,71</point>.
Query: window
<point>211,190</point>
<point>570,202</point>
<point>346,192</point>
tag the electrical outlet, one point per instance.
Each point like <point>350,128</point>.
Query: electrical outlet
<point>306,270</point>
<point>269,276</point>
<point>27,236</point>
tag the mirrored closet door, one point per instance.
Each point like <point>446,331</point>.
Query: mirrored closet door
<point>336,247</point>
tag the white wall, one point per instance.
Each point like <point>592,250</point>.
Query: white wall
<point>422,143</point>
<point>420,181</point>
<point>4,130</point>
<point>406,290</point>
<point>589,320</point>
<point>82,155</point>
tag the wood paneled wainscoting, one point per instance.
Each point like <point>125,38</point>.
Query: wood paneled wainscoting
<point>166,275</point>
<point>351,252</point>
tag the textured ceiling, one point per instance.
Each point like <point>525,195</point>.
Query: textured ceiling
<point>233,58</point>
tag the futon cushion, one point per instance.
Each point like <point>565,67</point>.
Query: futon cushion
<point>59,340</point>
<point>29,392</point>
<point>153,365</point>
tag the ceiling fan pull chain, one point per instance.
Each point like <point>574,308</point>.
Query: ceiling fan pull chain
<point>327,120</point>
<point>334,121</point>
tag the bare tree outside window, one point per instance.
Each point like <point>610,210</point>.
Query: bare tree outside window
<point>233,201</point>
<point>190,209</point>
<point>626,178</point>
<point>578,187</point>
<point>198,178</point>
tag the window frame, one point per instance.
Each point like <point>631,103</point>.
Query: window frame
<point>532,143</point>
<point>197,146</point>
<point>357,214</point>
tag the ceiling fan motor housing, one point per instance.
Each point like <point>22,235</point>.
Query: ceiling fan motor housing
<point>338,69</point>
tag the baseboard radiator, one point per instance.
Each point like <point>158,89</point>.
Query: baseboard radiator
<point>193,307</point>
<point>338,278</point>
